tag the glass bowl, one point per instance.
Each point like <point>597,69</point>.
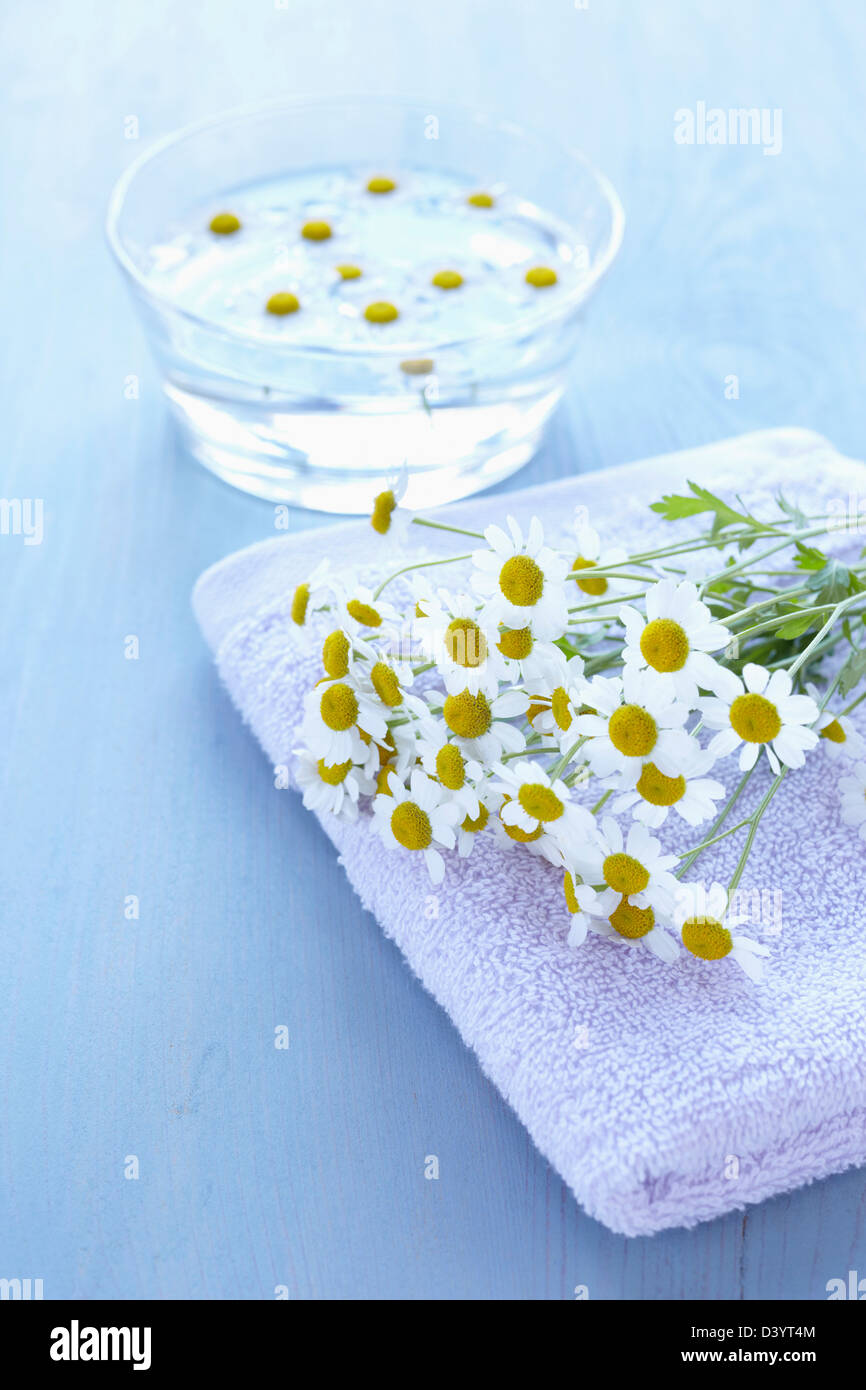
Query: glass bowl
<point>437,406</point>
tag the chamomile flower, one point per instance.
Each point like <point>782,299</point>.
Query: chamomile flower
<point>592,555</point>
<point>535,800</point>
<point>417,818</point>
<point>387,680</point>
<point>633,868</point>
<point>311,594</point>
<point>521,581</point>
<point>675,638</point>
<point>636,721</point>
<point>442,759</point>
<point>335,788</point>
<point>700,919</point>
<point>526,659</point>
<point>463,648</point>
<point>837,733</point>
<point>471,826</point>
<point>361,612</point>
<point>853,789</point>
<point>691,794</point>
<point>478,724</point>
<point>336,713</point>
<point>553,714</point>
<point>508,836</point>
<point>617,918</point>
<point>758,712</point>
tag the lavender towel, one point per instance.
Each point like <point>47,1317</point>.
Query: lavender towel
<point>663,1095</point>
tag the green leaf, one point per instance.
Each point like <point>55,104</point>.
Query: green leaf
<point>790,510</point>
<point>796,627</point>
<point>853,671</point>
<point>833,582</point>
<point>809,557</point>
<point>674,506</point>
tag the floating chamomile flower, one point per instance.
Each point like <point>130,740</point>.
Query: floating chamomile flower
<point>521,581</point>
<point>541,277</point>
<point>615,918</point>
<point>634,868</point>
<point>349,272</point>
<point>225,223</point>
<point>283,302</point>
<point>316,231</point>
<point>332,787</point>
<point>335,715</point>
<point>837,733</point>
<point>443,759</point>
<point>481,200</point>
<point>675,638</point>
<point>590,556</point>
<point>450,634</point>
<point>447,280</point>
<point>310,595</point>
<point>691,794</point>
<point>381,184</point>
<point>853,790</point>
<point>479,725</point>
<point>418,819</point>
<point>635,721</point>
<point>701,922</point>
<point>758,712</point>
<point>381,312</point>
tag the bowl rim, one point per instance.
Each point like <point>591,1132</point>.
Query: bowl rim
<point>556,312</point>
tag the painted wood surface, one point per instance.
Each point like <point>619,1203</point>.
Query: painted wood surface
<point>154,1037</point>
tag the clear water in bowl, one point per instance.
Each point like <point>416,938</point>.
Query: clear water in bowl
<point>322,405</point>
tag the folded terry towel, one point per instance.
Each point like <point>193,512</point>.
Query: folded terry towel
<point>663,1095</point>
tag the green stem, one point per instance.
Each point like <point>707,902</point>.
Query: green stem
<point>440,526</point>
<point>719,821</point>
<point>420,565</point>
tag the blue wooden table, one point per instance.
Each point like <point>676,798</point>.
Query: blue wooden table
<point>163,912</point>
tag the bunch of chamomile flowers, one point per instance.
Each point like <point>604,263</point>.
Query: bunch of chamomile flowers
<point>575,701</point>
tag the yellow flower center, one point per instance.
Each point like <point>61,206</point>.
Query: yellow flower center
<point>316,231</point>
<point>523,837</point>
<point>465,643</point>
<point>632,921</point>
<point>559,704</point>
<point>411,826</point>
<point>515,642</point>
<point>570,899</point>
<point>480,200</point>
<point>447,279</point>
<point>540,276</point>
<point>632,731</point>
<point>382,779</point>
<point>349,272</point>
<point>625,874</point>
<point>594,587</point>
<point>339,707</point>
<point>450,768</point>
<point>225,223</point>
<point>386,685</point>
<point>540,802</point>
<point>300,599</point>
<point>417,366</point>
<point>467,716</point>
<point>834,732</point>
<point>755,719</point>
<point>383,506</point>
<point>535,709</point>
<point>335,654</point>
<point>381,184</point>
<point>706,938</point>
<point>333,774</point>
<point>363,613</point>
<point>664,645</point>
<point>476,823</point>
<point>659,790</point>
<point>521,581</point>
<point>381,312</point>
<point>283,303</point>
